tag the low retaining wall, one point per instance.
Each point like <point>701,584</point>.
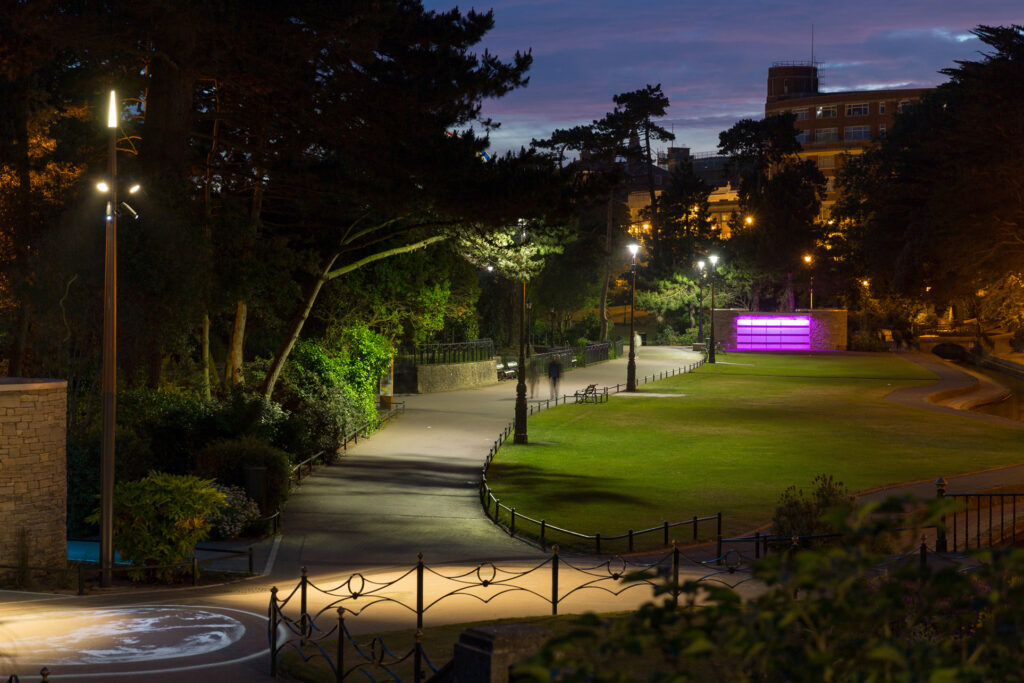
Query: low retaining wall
<point>433,378</point>
<point>33,471</point>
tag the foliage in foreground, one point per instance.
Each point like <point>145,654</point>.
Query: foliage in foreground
<point>159,519</point>
<point>844,613</point>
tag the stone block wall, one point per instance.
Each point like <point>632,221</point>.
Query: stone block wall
<point>434,378</point>
<point>33,476</point>
<point>828,327</point>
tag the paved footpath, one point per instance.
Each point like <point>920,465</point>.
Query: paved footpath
<point>409,489</point>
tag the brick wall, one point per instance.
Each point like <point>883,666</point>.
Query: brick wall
<point>33,479</point>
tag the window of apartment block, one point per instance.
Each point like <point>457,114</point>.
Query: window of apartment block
<point>881,130</point>
<point>859,109</point>
<point>803,137</point>
<point>881,107</point>
<point>903,106</point>
<point>826,162</point>
<point>801,114</point>
<point>857,133</point>
<point>826,135</point>
<point>827,111</point>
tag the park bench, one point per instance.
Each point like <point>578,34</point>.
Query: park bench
<point>588,395</point>
<point>508,370</point>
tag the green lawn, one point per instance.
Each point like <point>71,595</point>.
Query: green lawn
<point>738,433</point>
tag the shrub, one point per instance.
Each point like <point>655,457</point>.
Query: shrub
<point>238,512</point>
<point>227,461</point>
<point>863,340</point>
<point>159,519</point>
<point>800,515</point>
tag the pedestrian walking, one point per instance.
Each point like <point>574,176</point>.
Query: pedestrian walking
<point>534,377</point>
<point>554,374</point>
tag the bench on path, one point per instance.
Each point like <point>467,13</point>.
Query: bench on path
<point>509,370</point>
<point>588,395</point>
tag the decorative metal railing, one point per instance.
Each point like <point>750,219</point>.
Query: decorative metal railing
<point>993,517</point>
<point>314,620</point>
<point>459,352</point>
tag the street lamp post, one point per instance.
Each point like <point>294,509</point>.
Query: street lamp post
<point>520,420</point>
<point>631,366</point>
<point>529,328</point>
<point>711,344</point>
<point>700,302</point>
<point>808,260</point>
<point>109,378</point>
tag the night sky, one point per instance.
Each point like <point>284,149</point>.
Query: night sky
<point>712,57</point>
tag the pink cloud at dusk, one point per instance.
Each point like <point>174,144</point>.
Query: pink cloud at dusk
<point>712,58</point>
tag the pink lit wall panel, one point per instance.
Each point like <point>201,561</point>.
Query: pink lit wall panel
<point>773,333</point>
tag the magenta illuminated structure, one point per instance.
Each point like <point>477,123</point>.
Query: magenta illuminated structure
<point>773,333</point>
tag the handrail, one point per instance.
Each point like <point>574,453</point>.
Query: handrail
<point>457,352</point>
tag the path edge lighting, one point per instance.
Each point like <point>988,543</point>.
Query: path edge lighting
<point>631,365</point>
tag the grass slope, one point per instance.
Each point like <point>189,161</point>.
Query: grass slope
<point>738,433</point>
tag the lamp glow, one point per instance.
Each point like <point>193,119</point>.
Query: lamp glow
<point>102,187</point>
<point>134,188</point>
<point>633,248</point>
<point>112,112</point>
<point>714,259</point>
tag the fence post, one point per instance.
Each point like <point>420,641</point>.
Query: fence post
<point>44,674</point>
<point>543,528</point>
<point>718,550</point>
<point>339,656</point>
<point>757,545</point>
<point>630,540</point>
<point>273,632</point>
<point>719,531</point>
<point>597,539</point>
<point>251,572</point>
<point>666,534</point>
<point>417,658</point>
<point>512,525</point>
<point>302,607</point>
<point>695,527</point>
<point>554,579</point>
<point>940,537</point>
<point>419,591</point>
<point>675,575</point>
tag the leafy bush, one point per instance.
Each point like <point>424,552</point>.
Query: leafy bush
<point>799,515</point>
<point>227,461</point>
<point>159,519</point>
<point>237,513</point>
<point>863,340</point>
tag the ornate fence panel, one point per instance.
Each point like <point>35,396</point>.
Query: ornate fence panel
<point>315,620</point>
<point>985,520</point>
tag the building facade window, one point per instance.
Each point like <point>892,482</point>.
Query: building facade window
<point>827,111</point>
<point>857,133</point>
<point>803,137</point>
<point>826,135</point>
<point>801,114</point>
<point>903,106</point>
<point>859,109</point>
<point>881,130</point>
<point>826,162</point>
<point>881,107</point>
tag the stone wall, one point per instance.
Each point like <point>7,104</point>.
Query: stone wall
<point>434,378</point>
<point>33,478</point>
<point>828,327</point>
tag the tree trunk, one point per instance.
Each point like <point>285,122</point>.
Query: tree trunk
<point>208,233</point>
<point>294,328</point>
<point>233,367</point>
<point>607,271</point>
<point>205,343</point>
<point>790,294</point>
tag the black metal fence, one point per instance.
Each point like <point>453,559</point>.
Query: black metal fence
<point>459,352</point>
<point>518,524</point>
<point>313,620</point>
<point>992,517</point>
<point>595,353</point>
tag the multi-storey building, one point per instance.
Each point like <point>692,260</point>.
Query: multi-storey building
<point>832,124</point>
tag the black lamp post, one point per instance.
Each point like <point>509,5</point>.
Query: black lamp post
<point>520,420</point>
<point>529,328</point>
<point>631,366</point>
<point>711,344</point>
<point>809,261</point>
<point>700,302</point>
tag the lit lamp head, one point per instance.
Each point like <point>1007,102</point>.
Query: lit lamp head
<point>633,248</point>
<point>112,111</point>
<point>714,260</point>
<point>749,220</point>
<point>807,258</point>
<point>700,265</point>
